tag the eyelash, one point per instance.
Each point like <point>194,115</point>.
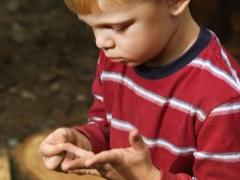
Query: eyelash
<point>119,30</point>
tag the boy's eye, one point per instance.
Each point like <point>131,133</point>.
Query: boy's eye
<point>119,30</point>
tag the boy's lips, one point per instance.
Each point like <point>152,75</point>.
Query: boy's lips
<point>116,59</point>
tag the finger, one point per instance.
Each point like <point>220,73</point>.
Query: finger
<point>75,157</point>
<point>74,164</point>
<point>136,140</point>
<point>79,152</point>
<point>49,150</point>
<point>85,171</point>
<point>104,157</point>
<point>54,162</point>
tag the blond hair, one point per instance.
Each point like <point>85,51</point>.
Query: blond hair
<point>85,7</point>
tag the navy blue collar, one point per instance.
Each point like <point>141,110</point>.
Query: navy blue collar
<point>200,44</point>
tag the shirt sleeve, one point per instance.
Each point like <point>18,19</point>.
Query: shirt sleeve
<point>218,146</point>
<point>97,128</point>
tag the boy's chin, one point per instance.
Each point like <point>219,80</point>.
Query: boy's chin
<point>130,64</point>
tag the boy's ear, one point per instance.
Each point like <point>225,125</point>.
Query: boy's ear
<point>177,6</point>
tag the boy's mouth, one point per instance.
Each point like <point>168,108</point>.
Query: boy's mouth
<point>116,59</point>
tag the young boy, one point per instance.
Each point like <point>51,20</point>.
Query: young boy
<point>167,101</point>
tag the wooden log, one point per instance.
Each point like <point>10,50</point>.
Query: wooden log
<point>4,165</point>
<point>32,166</point>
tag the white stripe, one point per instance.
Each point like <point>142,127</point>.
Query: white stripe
<point>169,146</point>
<point>222,157</point>
<point>109,117</point>
<point>206,64</point>
<point>125,126</point>
<point>121,125</point>
<point>91,122</point>
<point>229,66</point>
<point>95,119</point>
<point>226,109</point>
<point>100,98</point>
<point>152,97</point>
<point>225,57</point>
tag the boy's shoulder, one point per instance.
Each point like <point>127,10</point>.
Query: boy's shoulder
<point>216,74</point>
<point>216,58</point>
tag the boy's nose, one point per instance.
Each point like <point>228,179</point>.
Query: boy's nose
<point>104,42</point>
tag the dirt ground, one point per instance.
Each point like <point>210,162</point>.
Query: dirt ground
<point>47,64</point>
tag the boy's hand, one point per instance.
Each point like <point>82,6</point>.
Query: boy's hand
<point>122,164</point>
<point>77,165</point>
<point>52,150</point>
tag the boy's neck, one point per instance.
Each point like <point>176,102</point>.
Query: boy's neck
<point>184,37</point>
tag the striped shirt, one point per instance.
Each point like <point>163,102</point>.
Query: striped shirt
<point>188,111</point>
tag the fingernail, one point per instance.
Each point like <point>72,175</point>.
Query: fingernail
<point>64,148</point>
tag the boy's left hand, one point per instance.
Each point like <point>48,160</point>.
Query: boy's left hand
<point>123,164</point>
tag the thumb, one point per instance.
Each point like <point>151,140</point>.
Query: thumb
<point>136,140</point>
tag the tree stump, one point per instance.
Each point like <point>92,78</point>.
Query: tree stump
<point>31,165</point>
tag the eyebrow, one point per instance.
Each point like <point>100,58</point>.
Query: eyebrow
<point>103,24</point>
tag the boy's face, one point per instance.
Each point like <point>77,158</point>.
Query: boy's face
<point>132,33</point>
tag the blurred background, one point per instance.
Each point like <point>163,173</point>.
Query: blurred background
<point>48,57</point>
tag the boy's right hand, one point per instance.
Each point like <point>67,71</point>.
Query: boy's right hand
<point>51,149</point>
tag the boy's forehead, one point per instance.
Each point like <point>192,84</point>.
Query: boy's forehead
<point>121,5</point>
<point>107,8</point>
<point>106,16</point>
<point>124,12</point>
<point>86,7</point>
<point>114,4</point>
